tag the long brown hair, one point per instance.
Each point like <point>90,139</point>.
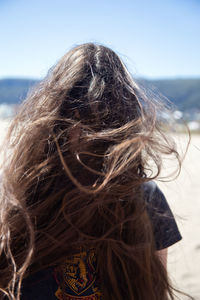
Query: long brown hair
<point>77,153</point>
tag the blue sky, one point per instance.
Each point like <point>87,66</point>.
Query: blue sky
<point>156,39</point>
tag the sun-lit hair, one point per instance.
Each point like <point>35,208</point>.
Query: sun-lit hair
<point>76,155</point>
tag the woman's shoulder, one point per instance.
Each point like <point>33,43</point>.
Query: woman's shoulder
<point>165,229</point>
<point>151,191</point>
<point>154,197</point>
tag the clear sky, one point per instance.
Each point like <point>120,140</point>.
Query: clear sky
<point>156,38</point>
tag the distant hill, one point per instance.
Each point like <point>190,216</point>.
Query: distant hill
<point>184,93</point>
<point>13,91</point>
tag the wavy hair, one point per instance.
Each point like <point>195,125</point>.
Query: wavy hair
<point>76,155</point>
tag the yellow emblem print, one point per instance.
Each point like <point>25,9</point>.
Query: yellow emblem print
<point>76,277</point>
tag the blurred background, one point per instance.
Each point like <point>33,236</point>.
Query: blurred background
<point>159,42</point>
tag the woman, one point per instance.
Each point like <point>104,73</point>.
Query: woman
<point>80,215</point>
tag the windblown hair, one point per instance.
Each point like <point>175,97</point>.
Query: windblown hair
<point>77,153</point>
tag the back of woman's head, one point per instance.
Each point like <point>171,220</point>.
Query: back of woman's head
<point>97,86</point>
<point>77,154</point>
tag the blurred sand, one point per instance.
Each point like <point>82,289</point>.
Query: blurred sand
<point>183,195</point>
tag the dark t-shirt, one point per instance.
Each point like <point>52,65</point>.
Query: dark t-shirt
<point>165,229</point>
<point>76,279</point>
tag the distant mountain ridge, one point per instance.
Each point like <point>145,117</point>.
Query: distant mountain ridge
<point>14,91</point>
<point>184,93</point>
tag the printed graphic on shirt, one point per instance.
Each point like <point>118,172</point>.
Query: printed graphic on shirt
<point>77,278</point>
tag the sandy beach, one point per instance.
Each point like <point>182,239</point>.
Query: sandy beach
<point>183,196</point>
